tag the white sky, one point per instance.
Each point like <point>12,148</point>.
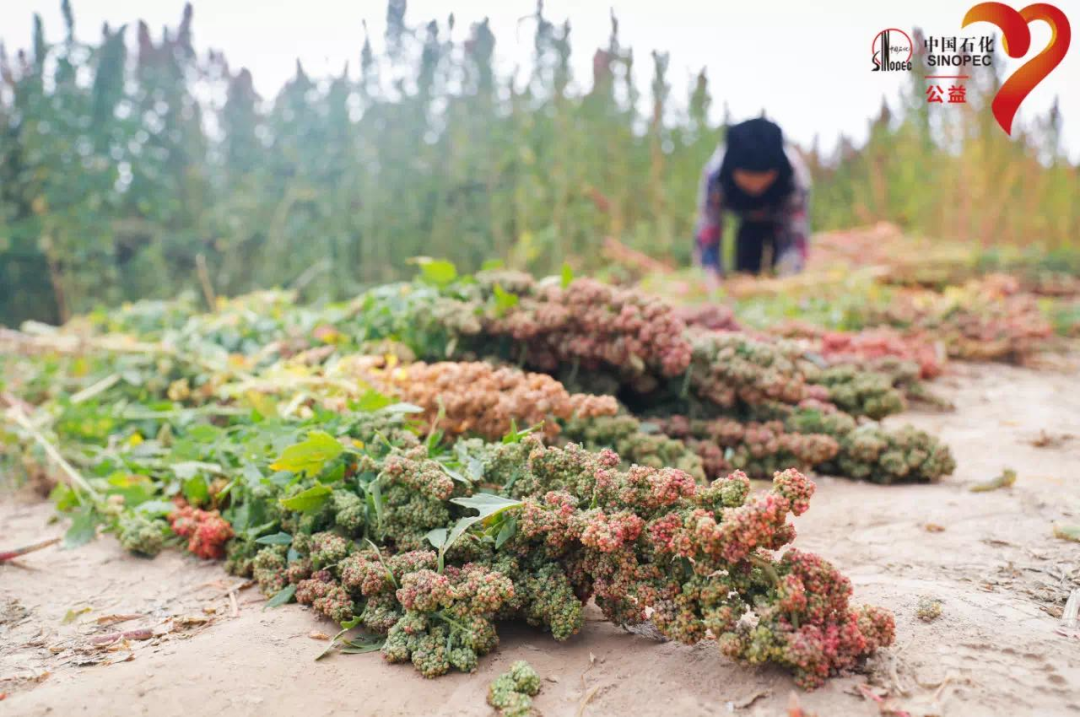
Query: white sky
<point>808,64</point>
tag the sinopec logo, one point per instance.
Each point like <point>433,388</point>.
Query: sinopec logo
<point>1016,39</point>
<point>892,51</point>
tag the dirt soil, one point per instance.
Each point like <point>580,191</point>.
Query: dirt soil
<point>998,647</point>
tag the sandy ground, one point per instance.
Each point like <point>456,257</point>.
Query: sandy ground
<point>998,647</point>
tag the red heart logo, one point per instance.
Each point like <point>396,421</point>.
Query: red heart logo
<point>1017,41</point>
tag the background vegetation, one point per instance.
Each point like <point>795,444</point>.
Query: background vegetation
<point>128,163</point>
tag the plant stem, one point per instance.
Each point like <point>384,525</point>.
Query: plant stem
<point>767,568</point>
<point>15,413</point>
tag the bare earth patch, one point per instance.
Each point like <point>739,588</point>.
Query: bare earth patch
<point>166,637</point>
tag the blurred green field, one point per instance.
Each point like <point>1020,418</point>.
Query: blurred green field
<point>117,173</point>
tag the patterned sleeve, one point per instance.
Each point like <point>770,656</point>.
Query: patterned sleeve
<point>795,218</point>
<point>710,228</point>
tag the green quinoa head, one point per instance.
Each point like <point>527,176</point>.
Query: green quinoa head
<point>141,535</point>
<point>525,678</point>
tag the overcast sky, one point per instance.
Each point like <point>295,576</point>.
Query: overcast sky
<point>806,64</point>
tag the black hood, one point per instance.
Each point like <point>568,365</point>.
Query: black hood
<point>756,145</point>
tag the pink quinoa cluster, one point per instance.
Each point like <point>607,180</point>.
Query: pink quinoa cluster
<point>207,532</point>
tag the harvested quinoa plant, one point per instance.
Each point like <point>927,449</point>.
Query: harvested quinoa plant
<point>928,609</point>
<point>871,452</point>
<point>635,443</point>
<point>570,525</point>
<point>207,532</point>
<point>417,505</point>
<point>628,548</point>
<point>987,319</point>
<point>593,325</point>
<point>861,393</point>
<point>477,398</point>
<point>868,347</point>
<point>758,449</point>
<point>511,693</point>
<point>732,370</point>
<point>715,317</point>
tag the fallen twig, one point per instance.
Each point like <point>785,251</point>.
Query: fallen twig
<point>588,698</point>
<point>140,634</point>
<point>12,554</point>
<point>1067,532</point>
<point>114,619</point>
<point>1005,480</point>
<point>942,686</point>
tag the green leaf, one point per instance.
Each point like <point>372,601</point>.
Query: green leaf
<point>65,497</point>
<point>196,490</point>
<point>330,647</point>
<point>257,530</point>
<point>490,264</point>
<point>454,474</point>
<point>515,436</point>
<point>436,537</point>
<point>156,508</point>
<point>455,533</point>
<point>281,597</point>
<point>372,400</point>
<point>335,475</point>
<point>309,456</point>
<point>507,531</point>
<point>377,502</point>
<point>275,539</point>
<point>135,489</point>
<point>252,475</point>
<point>308,501</point>
<point>473,465</point>
<point>567,275</point>
<point>486,503</point>
<point>227,489</point>
<point>359,647</point>
<point>504,300</point>
<point>83,528</point>
<point>438,272</point>
<point>240,518</point>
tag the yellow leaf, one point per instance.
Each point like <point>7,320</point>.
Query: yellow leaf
<point>262,403</point>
